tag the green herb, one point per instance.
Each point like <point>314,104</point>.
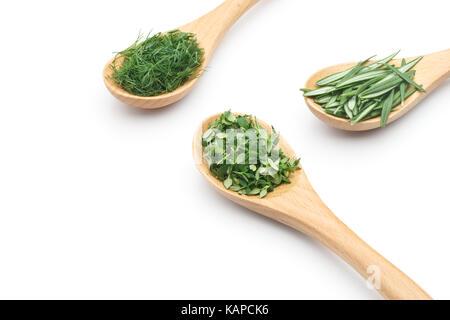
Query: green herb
<point>158,64</point>
<point>403,86</point>
<point>245,156</point>
<point>405,78</point>
<point>386,110</point>
<point>365,92</point>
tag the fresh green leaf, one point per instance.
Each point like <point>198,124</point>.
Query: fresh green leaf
<point>363,91</point>
<point>320,91</point>
<point>228,182</point>
<point>263,193</point>
<point>404,77</point>
<point>387,107</point>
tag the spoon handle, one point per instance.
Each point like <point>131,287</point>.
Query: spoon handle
<point>211,27</point>
<point>230,11</point>
<point>434,69</point>
<point>307,213</point>
<point>379,273</point>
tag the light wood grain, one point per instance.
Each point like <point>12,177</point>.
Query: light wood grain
<point>298,206</point>
<point>431,71</point>
<point>209,30</point>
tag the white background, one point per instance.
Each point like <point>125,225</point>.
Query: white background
<point>101,200</point>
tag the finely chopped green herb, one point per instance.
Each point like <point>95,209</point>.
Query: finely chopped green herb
<point>158,64</point>
<point>234,166</point>
<point>366,91</point>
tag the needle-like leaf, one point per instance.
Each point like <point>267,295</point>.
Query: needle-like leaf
<point>404,77</point>
<point>379,63</point>
<point>362,77</point>
<point>319,91</point>
<point>403,86</point>
<point>363,113</point>
<point>387,107</point>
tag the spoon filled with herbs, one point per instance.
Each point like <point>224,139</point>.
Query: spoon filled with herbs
<point>161,69</point>
<point>371,94</point>
<point>248,162</point>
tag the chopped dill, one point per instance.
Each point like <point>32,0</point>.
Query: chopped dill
<point>159,64</point>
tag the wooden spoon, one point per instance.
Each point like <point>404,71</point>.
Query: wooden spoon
<point>209,30</point>
<point>431,71</point>
<point>298,206</point>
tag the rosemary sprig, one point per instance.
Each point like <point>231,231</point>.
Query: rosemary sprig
<point>246,162</point>
<point>365,92</point>
<point>158,64</point>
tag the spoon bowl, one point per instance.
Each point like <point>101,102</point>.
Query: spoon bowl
<point>218,185</point>
<point>209,30</point>
<point>298,206</point>
<point>431,71</point>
